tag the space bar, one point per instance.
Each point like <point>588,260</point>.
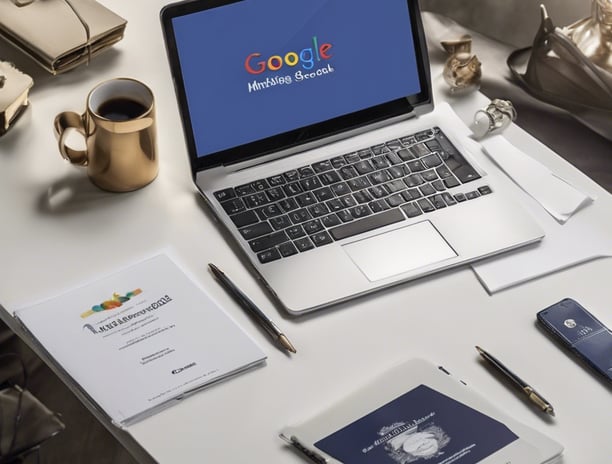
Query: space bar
<point>368,223</point>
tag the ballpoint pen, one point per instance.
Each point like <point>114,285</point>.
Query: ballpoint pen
<point>533,395</point>
<point>252,309</point>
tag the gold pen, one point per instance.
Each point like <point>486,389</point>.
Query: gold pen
<point>533,395</point>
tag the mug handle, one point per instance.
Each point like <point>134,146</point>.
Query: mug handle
<point>70,120</point>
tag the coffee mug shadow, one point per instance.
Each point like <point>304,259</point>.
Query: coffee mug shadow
<point>74,194</point>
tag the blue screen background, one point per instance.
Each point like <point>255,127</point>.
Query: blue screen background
<point>372,56</point>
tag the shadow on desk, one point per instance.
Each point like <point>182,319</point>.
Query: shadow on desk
<point>84,440</point>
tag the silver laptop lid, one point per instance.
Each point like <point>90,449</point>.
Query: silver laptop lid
<point>255,77</point>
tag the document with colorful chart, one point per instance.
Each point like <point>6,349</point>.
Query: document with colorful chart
<point>140,339</point>
<point>417,413</point>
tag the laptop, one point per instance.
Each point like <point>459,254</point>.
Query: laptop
<point>312,139</point>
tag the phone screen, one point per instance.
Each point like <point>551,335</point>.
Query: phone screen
<point>581,332</point>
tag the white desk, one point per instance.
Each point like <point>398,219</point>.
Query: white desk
<point>59,230</point>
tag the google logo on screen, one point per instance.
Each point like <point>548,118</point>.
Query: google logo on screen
<point>306,58</point>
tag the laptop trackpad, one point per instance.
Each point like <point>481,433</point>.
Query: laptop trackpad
<point>399,251</point>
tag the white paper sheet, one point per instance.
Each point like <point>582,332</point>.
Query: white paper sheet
<point>140,339</point>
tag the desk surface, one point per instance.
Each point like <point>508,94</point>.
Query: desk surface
<point>59,230</point>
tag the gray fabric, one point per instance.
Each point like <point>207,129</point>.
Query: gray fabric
<point>513,22</point>
<point>586,150</point>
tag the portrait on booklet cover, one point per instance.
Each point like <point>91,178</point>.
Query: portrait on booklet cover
<point>420,426</point>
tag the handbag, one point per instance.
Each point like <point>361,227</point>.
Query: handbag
<point>25,422</point>
<point>558,73</point>
<point>60,34</point>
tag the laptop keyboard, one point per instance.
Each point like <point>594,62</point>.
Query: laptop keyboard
<point>330,200</point>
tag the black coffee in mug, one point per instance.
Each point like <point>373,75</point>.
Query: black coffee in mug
<point>121,109</point>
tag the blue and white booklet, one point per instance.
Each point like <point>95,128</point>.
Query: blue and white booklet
<point>417,413</point>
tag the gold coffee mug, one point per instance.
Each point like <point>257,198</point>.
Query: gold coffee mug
<point>119,130</point>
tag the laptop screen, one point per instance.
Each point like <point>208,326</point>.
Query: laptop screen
<point>257,71</point>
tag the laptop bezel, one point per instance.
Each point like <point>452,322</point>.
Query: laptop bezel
<point>308,135</point>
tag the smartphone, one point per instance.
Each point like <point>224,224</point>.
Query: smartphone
<point>581,332</point>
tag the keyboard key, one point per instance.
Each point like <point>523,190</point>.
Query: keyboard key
<point>360,211</point>
<point>431,161</point>
<point>330,177</point>
<point>269,211</point>
<point>395,186</point>
<point>338,162</point>
<point>379,177</point>
<point>245,189</point>
<point>330,220</point>
<point>420,149</point>
<point>306,199</point>
<point>310,183</point>
<point>366,224</point>
<point>460,197</point>
<point>303,244</point>
<point>324,194</point>
<point>425,205</point>
<point>322,166</point>
<point>396,200</point>
<point>255,230</point>
<point>268,241</point>
<point>292,189</point>
<point>275,181</point>
<point>344,215</point>
<point>397,172</point>
<point>381,162</point>
<point>244,219</point>
<point>377,191</point>
<point>295,232</point>
<point>484,190</point>
<point>451,182</point>
<point>348,201</point>
<point>280,222</point>
<point>275,194</point>
<point>306,171</point>
<point>411,194</point>
<point>255,200</point>
<point>411,210</point>
<point>300,215</point>
<point>394,158</point>
<point>260,185</point>
<point>438,185</point>
<point>233,206</point>
<point>352,158</point>
<point>225,194</point>
<point>291,176</point>
<point>413,180</point>
<point>287,249</point>
<point>415,166</point>
<point>466,173</point>
<point>444,172</point>
<point>358,183</point>
<point>288,204</point>
<point>448,198</point>
<point>394,145</point>
<point>406,154</point>
<point>348,172</point>
<point>362,196</point>
<point>365,153</point>
<point>378,206</point>
<point>311,227</point>
<point>268,256</point>
<point>363,167</point>
<point>427,189</point>
<point>317,210</point>
<point>321,238</point>
<point>379,149</point>
<point>472,195</point>
<point>341,188</point>
<point>438,201</point>
<point>429,175</point>
<point>335,204</point>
